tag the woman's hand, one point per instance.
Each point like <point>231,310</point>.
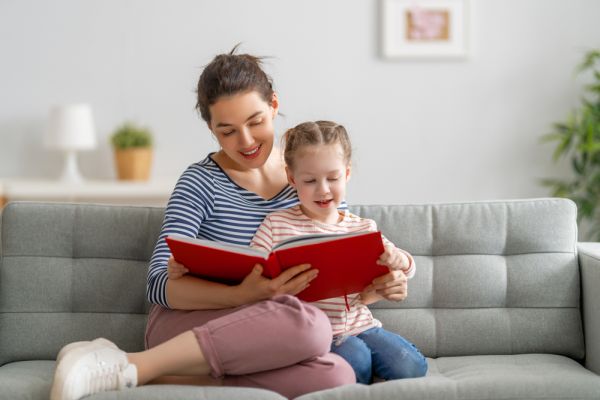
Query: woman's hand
<point>175,270</point>
<point>256,287</point>
<point>394,258</point>
<point>391,286</point>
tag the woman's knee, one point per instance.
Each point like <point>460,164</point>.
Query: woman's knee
<point>338,373</point>
<point>312,329</point>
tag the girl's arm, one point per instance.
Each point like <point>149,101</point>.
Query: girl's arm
<point>393,285</point>
<point>397,259</point>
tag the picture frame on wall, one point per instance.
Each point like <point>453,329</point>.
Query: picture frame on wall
<point>424,29</point>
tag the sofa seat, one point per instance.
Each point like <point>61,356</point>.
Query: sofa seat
<point>501,377</point>
<point>524,376</point>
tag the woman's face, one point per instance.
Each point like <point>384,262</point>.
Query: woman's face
<point>243,126</point>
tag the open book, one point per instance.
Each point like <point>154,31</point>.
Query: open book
<point>347,263</point>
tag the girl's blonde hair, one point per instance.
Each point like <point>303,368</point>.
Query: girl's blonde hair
<point>315,133</point>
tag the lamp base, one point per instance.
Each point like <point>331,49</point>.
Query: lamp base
<point>70,172</point>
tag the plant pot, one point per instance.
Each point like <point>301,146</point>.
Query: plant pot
<point>134,163</point>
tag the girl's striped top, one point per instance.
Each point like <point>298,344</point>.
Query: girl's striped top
<point>349,318</point>
<point>207,204</point>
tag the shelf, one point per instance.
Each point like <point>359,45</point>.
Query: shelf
<point>155,193</point>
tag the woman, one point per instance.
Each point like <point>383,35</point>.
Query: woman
<point>255,334</point>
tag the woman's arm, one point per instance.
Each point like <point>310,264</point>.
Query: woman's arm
<point>190,204</point>
<point>192,293</point>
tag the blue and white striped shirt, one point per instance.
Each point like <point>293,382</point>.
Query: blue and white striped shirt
<point>207,204</point>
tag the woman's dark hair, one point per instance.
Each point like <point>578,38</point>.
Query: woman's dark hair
<point>229,74</point>
<point>315,133</point>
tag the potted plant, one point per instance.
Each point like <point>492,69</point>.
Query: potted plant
<point>133,151</point>
<point>578,138</point>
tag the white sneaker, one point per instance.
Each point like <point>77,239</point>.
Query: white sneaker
<point>90,368</point>
<point>100,342</point>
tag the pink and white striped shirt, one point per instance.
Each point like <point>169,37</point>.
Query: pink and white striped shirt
<point>281,225</point>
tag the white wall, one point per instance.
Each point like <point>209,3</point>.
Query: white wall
<point>422,131</point>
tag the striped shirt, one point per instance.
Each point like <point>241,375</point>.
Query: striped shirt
<point>207,204</point>
<point>280,225</point>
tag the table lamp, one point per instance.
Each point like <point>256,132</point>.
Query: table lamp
<point>70,129</point>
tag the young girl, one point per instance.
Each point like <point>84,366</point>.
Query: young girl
<point>317,157</point>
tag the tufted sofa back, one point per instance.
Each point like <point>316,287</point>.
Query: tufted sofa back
<point>72,271</point>
<point>492,277</point>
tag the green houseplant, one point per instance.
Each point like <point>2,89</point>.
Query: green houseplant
<point>578,139</point>
<point>133,151</point>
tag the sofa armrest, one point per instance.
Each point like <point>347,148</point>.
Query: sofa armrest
<point>589,261</point>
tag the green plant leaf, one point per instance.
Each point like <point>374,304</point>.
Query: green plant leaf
<point>589,60</point>
<point>578,165</point>
<point>551,137</point>
<point>562,148</point>
<point>130,135</point>
<point>578,138</point>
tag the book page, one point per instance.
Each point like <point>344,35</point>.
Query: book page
<point>234,248</point>
<point>314,238</point>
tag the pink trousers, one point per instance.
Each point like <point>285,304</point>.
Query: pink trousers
<point>280,344</point>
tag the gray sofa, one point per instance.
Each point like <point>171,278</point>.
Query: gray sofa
<point>505,301</point>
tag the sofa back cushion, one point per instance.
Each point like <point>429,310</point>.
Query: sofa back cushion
<point>492,277</point>
<point>73,272</point>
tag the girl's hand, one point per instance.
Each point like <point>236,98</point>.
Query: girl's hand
<point>391,286</point>
<point>369,295</point>
<point>256,287</point>
<point>394,259</point>
<point>175,270</point>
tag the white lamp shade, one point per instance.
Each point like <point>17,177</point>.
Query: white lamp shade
<point>71,127</point>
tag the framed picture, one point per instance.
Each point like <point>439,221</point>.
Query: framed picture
<point>424,29</point>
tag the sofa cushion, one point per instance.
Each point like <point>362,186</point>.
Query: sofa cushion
<point>492,277</point>
<point>525,376</point>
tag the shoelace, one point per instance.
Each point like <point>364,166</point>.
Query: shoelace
<point>104,377</point>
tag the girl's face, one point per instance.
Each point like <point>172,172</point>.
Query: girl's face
<point>243,126</point>
<point>319,175</point>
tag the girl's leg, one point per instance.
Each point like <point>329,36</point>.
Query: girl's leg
<point>358,355</point>
<point>393,356</point>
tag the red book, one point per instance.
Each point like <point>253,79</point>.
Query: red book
<point>347,263</point>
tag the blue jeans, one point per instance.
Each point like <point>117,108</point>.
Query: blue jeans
<point>383,353</point>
